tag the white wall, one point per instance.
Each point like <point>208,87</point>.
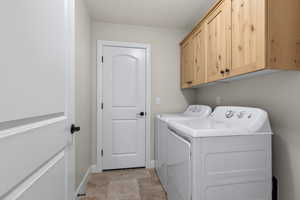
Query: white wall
<point>83,90</point>
<point>279,94</point>
<point>165,66</point>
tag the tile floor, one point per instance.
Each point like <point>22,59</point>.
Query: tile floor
<point>130,184</point>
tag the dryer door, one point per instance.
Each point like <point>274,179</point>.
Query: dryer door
<point>178,168</point>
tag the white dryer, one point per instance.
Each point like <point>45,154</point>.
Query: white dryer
<point>226,156</point>
<point>161,131</point>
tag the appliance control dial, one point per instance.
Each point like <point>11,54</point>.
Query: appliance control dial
<point>241,114</point>
<point>229,114</point>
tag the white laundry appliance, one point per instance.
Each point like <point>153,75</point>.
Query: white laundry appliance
<point>161,131</point>
<point>226,156</point>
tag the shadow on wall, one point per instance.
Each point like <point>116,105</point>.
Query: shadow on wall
<point>189,95</point>
<point>286,159</point>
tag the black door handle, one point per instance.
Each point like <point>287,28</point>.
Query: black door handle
<point>142,114</point>
<point>74,129</point>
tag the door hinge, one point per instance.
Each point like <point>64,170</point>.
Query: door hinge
<point>102,152</point>
<point>102,106</point>
<point>102,59</point>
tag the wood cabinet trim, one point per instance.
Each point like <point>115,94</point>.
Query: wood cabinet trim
<point>201,21</point>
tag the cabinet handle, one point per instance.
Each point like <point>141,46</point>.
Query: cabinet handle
<point>227,70</point>
<point>189,82</point>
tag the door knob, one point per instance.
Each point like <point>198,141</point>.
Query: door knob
<point>74,129</point>
<point>142,114</point>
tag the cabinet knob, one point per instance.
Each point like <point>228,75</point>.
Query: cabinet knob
<point>227,70</point>
<point>222,72</point>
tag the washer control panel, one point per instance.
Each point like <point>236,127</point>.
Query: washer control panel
<point>229,114</point>
<point>234,114</point>
<point>197,110</point>
<point>238,114</point>
<point>245,117</point>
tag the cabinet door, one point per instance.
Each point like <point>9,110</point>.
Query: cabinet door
<point>218,41</point>
<point>248,36</point>
<point>187,67</point>
<point>199,56</point>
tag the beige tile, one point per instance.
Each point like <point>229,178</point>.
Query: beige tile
<point>88,198</point>
<point>130,184</point>
<point>99,179</point>
<point>130,174</point>
<point>125,197</point>
<point>123,187</point>
<point>148,182</point>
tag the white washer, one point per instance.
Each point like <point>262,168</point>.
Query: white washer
<point>226,156</point>
<point>161,131</point>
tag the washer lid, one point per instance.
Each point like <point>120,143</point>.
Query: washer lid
<point>192,112</point>
<point>226,121</point>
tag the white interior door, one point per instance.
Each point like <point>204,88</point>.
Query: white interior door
<point>36,105</point>
<point>124,98</point>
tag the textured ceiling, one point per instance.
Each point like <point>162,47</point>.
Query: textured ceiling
<point>179,14</point>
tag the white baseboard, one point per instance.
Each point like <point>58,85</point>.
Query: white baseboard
<point>152,165</point>
<point>94,169</point>
<point>82,186</point>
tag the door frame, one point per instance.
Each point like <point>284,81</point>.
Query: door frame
<point>147,47</point>
<point>70,97</point>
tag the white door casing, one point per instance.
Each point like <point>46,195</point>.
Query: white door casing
<point>36,105</point>
<point>123,83</point>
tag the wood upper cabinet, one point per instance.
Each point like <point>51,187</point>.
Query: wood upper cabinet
<point>218,41</point>
<point>242,36</point>
<point>199,56</point>
<point>283,34</point>
<point>248,36</point>
<point>187,67</point>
